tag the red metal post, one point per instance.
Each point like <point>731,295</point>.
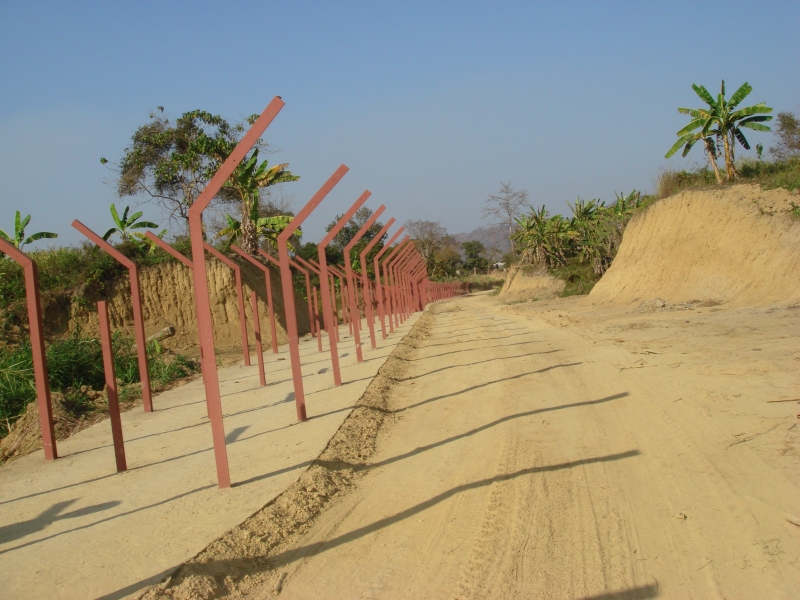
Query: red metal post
<point>396,278</point>
<point>288,289</point>
<point>379,290</point>
<point>307,276</point>
<point>201,294</point>
<point>317,319</point>
<point>136,305</point>
<point>237,273</point>
<point>40,375</point>
<point>268,279</point>
<point>111,386</point>
<point>331,319</point>
<point>257,332</point>
<point>390,300</point>
<point>352,290</point>
<point>366,283</point>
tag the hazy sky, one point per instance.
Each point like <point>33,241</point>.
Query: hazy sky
<point>430,104</point>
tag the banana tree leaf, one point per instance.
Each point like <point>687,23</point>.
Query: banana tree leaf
<point>760,108</point>
<point>756,126</point>
<point>40,236</point>
<point>109,233</point>
<point>704,95</point>
<point>742,140</point>
<point>694,124</point>
<point>144,224</point>
<point>5,236</point>
<point>688,146</point>
<point>134,216</point>
<point>681,141</point>
<point>115,216</point>
<point>739,95</point>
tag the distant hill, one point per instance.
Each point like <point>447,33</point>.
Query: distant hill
<point>491,236</point>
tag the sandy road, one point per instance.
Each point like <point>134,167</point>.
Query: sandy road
<point>531,460</point>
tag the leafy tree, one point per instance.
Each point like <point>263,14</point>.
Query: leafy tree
<point>348,232</point>
<point>246,181</point>
<point>429,237</point>
<point>787,130</point>
<point>474,256</point>
<point>504,208</point>
<point>172,162</point>
<point>723,121</point>
<point>125,225</point>
<point>19,239</point>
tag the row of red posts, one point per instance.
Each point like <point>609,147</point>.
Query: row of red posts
<point>400,287</point>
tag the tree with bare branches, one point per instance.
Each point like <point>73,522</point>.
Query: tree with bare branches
<point>505,207</point>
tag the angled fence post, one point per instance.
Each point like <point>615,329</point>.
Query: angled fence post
<point>331,319</point>
<point>355,315</point>
<point>304,268</point>
<point>268,286</point>
<point>40,375</point>
<point>257,335</point>
<point>237,274</point>
<point>390,298</point>
<point>366,283</point>
<point>379,288</point>
<point>111,386</point>
<point>288,288</point>
<point>136,305</point>
<point>201,293</point>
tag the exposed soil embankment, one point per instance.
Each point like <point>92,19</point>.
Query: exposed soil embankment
<point>526,284</point>
<point>739,245</point>
<point>168,299</point>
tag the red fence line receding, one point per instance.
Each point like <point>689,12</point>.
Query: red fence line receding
<point>40,375</point>
<point>288,288</point>
<point>329,315</point>
<point>379,289</point>
<point>237,273</point>
<point>352,290</point>
<point>268,285</point>
<point>136,305</point>
<point>368,300</point>
<point>201,293</point>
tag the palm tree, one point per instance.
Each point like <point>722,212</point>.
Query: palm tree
<point>19,239</point>
<point>246,180</point>
<point>721,120</point>
<point>125,224</point>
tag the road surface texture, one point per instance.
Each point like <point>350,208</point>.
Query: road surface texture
<point>559,450</point>
<point>75,529</point>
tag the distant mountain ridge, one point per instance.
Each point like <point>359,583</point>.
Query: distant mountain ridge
<point>491,236</point>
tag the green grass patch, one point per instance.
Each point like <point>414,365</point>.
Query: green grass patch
<point>579,277</point>
<point>769,174</point>
<point>75,362</point>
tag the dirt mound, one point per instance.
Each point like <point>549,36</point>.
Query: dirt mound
<point>168,300</point>
<point>739,245</point>
<point>524,284</point>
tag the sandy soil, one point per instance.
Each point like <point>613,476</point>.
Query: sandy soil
<point>75,529</point>
<point>560,450</point>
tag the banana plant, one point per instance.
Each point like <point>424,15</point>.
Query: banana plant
<point>125,225</point>
<point>268,228</point>
<point>19,239</point>
<point>723,121</point>
<point>246,180</point>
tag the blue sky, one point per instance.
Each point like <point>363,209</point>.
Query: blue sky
<point>430,104</point>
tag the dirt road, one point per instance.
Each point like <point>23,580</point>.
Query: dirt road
<point>555,450</point>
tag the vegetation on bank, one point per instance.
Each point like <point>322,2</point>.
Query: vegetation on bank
<point>75,368</point>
